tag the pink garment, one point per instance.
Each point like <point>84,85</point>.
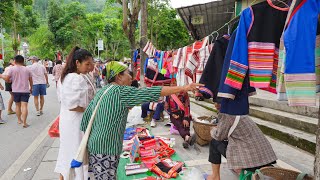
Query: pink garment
<point>19,76</point>
<point>57,71</point>
<point>38,72</point>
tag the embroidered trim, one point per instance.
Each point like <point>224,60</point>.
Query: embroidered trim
<point>206,91</point>
<point>301,89</point>
<point>236,74</point>
<point>226,95</point>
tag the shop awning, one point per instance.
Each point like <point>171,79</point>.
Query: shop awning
<point>203,19</point>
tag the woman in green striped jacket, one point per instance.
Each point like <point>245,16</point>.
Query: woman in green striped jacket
<point>106,137</point>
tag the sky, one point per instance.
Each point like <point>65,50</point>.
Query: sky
<point>183,3</point>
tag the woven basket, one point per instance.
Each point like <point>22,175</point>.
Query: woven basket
<point>202,131</point>
<point>280,174</point>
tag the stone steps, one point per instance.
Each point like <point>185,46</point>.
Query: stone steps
<point>296,121</point>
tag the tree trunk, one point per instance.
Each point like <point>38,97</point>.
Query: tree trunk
<point>144,35</point>
<point>317,158</point>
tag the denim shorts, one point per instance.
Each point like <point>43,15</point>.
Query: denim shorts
<point>21,97</point>
<point>39,89</point>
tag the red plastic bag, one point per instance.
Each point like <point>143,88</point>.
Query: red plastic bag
<point>54,129</point>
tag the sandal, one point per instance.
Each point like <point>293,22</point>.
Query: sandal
<point>11,112</point>
<point>25,126</point>
<point>185,145</point>
<point>192,140</point>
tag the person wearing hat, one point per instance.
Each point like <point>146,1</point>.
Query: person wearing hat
<point>40,83</point>
<point>106,137</point>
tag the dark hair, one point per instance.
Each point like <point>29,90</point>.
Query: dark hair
<point>114,78</point>
<point>58,62</point>
<point>19,59</point>
<point>76,54</point>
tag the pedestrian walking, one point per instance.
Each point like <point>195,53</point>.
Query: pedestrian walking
<point>73,92</point>
<point>21,79</point>
<point>50,65</point>
<point>2,107</point>
<point>57,71</point>
<point>106,137</point>
<point>8,87</point>
<point>46,65</point>
<point>40,83</point>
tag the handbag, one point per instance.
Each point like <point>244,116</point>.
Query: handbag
<point>54,129</point>
<point>81,157</point>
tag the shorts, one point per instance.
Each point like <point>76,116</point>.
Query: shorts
<point>21,97</point>
<point>8,87</point>
<point>39,89</point>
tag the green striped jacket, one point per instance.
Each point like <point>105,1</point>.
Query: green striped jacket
<point>110,121</point>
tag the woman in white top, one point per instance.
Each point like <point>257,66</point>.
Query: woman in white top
<point>74,100</point>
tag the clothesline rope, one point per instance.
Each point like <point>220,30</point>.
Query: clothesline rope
<point>216,31</point>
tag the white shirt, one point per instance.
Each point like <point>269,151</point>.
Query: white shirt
<point>38,72</point>
<point>50,64</point>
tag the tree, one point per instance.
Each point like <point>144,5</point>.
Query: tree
<point>144,34</point>
<point>30,21</point>
<point>41,43</point>
<point>130,20</point>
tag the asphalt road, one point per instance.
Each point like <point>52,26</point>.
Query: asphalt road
<point>14,139</point>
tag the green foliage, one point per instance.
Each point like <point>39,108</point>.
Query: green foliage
<point>29,21</point>
<point>165,29</point>
<point>41,43</point>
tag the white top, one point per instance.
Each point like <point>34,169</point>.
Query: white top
<point>50,64</point>
<point>73,92</point>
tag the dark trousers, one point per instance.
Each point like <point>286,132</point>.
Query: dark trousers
<point>183,131</point>
<point>216,149</point>
<point>50,70</point>
<point>157,112</point>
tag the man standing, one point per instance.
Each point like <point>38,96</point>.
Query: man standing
<point>21,88</point>
<point>50,64</point>
<point>40,83</point>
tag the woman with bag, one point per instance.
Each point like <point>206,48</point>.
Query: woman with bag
<point>73,92</point>
<point>111,106</point>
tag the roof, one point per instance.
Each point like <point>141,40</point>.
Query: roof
<point>211,16</point>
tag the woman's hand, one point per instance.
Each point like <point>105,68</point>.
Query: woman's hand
<point>192,87</point>
<point>185,123</point>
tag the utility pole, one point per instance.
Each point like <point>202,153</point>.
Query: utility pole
<point>144,37</point>
<point>2,41</point>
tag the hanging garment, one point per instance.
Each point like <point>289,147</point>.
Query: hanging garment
<point>233,101</point>
<point>256,46</point>
<point>299,42</point>
<point>152,75</point>
<point>212,72</point>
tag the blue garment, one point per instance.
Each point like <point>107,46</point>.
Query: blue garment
<point>300,43</point>
<point>39,90</point>
<point>233,101</point>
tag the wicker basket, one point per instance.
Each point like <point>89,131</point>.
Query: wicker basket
<point>202,130</point>
<point>280,174</point>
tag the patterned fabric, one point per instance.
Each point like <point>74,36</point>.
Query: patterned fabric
<point>248,147</point>
<point>109,125</point>
<point>171,106</point>
<point>233,101</point>
<point>300,40</point>
<point>257,46</point>
<point>104,167</point>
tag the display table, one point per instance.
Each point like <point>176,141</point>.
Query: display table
<point>121,173</point>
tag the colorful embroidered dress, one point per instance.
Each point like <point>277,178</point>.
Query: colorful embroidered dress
<point>256,46</point>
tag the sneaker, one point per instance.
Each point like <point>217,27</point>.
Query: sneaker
<point>2,121</point>
<point>41,112</point>
<point>153,123</point>
<point>38,113</point>
<point>168,123</point>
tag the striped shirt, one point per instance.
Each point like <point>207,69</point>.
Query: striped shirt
<point>108,128</point>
